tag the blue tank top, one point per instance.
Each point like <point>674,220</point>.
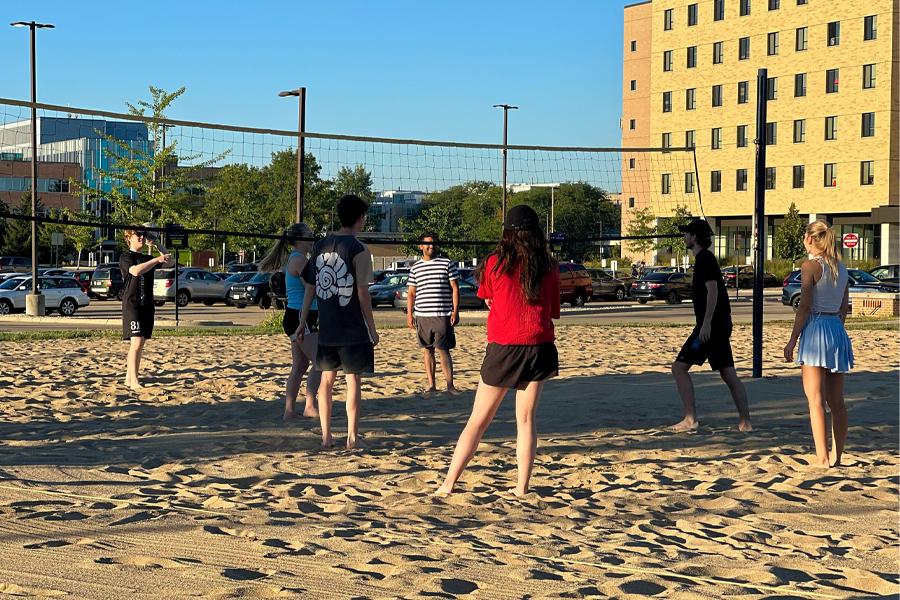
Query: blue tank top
<point>295,288</point>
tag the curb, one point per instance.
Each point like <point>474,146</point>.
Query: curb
<point>62,321</point>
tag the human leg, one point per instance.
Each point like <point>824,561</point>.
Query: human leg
<point>447,369</point>
<point>739,395</point>
<point>299,364</point>
<point>812,386</point>
<point>354,389</point>
<point>313,380</point>
<point>834,396</point>
<point>135,350</point>
<point>428,355</point>
<point>326,386</point>
<point>526,433</point>
<point>681,373</point>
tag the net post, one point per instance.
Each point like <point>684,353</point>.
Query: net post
<point>759,220</point>
<point>301,157</point>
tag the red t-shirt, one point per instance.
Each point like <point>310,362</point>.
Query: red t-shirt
<point>512,320</point>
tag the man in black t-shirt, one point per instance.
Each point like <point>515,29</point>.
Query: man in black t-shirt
<point>138,310</point>
<point>711,338</point>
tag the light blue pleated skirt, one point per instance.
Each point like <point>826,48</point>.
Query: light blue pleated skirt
<point>824,343</point>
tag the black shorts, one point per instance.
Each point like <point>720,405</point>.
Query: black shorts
<point>352,359</point>
<point>137,321</point>
<point>292,320</point>
<point>435,332</point>
<point>517,366</point>
<point>717,350</point>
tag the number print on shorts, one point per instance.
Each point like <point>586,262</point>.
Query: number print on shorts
<point>135,327</point>
<point>333,278</point>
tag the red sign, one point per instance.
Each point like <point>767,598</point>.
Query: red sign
<point>851,240</point>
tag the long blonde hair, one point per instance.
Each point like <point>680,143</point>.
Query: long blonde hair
<point>821,237</point>
<point>277,256</point>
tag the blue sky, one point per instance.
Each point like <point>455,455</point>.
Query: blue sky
<point>409,69</point>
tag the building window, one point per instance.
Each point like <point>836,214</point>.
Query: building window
<point>667,60</point>
<point>718,52</point>
<point>771,134</point>
<point>867,172</point>
<point>715,181</point>
<point>633,84</point>
<point>667,102</point>
<point>868,124</point>
<point>831,81</point>
<point>830,175</point>
<point>631,203</point>
<point>667,140</point>
<point>870,28</point>
<point>834,33</point>
<point>667,19</point>
<point>634,45</point>
<point>692,15</point>
<point>744,48</point>
<point>666,183</point>
<point>745,8</point>
<point>830,128</point>
<point>632,124</point>
<point>868,77</point>
<point>774,4</point>
<point>770,178</point>
<point>773,44</point>
<point>716,138</point>
<point>689,183</point>
<point>801,2</point>
<point>799,85</point>
<point>630,163</point>
<point>689,139</point>
<point>772,88</point>
<point>799,131</point>
<point>743,93</point>
<point>690,99</point>
<point>740,180</point>
<point>741,136</point>
<point>799,176</point>
<point>691,57</point>
<point>718,10</point>
<point>802,39</point>
<point>717,95</point>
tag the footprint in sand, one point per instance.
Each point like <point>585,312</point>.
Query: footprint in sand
<point>243,574</point>
<point>458,587</point>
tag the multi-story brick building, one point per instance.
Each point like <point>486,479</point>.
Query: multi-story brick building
<point>833,126</point>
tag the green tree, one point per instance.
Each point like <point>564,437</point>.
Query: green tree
<point>642,223</point>
<point>788,242</point>
<point>17,237</point>
<point>358,181</point>
<point>80,237</point>
<point>442,219</point>
<point>669,225</point>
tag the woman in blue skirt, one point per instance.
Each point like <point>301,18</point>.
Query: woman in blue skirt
<point>824,352</point>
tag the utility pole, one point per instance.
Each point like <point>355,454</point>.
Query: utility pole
<point>759,218</point>
<point>506,108</point>
<point>301,149</point>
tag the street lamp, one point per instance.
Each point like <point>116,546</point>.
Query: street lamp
<point>301,148</point>
<point>34,304</point>
<point>506,108</point>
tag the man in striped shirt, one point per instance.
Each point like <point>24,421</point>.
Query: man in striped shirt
<point>432,309</point>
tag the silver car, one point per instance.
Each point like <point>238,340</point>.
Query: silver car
<point>61,294</point>
<point>194,285</point>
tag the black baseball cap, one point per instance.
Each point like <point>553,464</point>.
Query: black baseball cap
<point>521,217</point>
<point>698,227</point>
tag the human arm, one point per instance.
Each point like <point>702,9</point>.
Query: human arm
<point>308,297</point>
<point>808,276</point>
<point>845,304</point>
<point>454,317</point>
<point>712,298</point>
<point>135,269</point>
<point>362,264</point>
<point>410,304</point>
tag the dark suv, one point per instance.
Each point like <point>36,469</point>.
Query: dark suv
<point>255,291</point>
<point>19,264</point>
<point>107,282</point>
<point>671,287</point>
<point>575,285</point>
<point>858,280</point>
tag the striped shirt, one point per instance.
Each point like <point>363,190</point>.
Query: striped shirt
<point>431,281</point>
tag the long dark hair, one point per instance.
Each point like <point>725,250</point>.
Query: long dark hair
<point>525,250</point>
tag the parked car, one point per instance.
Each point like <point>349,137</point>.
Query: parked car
<point>107,282</point>
<point>379,277</point>
<point>468,297</point>
<point>671,287</point>
<point>234,278</point>
<point>254,291</point>
<point>666,269</point>
<point>383,292</point>
<point>194,285</point>
<point>605,285</point>
<point>4,275</point>
<point>860,281</point>
<point>575,286</point>
<point>19,264</point>
<point>61,294</point>
<point>745,276</point>
<point>241,267</point>
<point>887,273</point>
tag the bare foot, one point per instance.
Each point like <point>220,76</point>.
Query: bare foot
<point>444,490</point>
<point>428,392</point>
<point>311,412</point>
<point>685,424</point>
<point>745,426</point>
<point>356,443</point>
<point>820,464</point>
<point>453,391</point>
<point>518,492</point>
<point>327,442</point>
<point>289,416</point>
<point>134,386</point>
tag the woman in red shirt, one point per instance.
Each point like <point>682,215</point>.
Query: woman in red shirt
<point>520,283</point>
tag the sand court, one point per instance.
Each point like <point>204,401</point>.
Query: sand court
<point>196,489</point>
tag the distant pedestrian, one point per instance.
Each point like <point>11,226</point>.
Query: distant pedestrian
<point>825,352</point>
<point>634,270</point>
<point>520,283</point>
<point>711,338</point>
<point>138,309</point>
<point>642,269</point>
<point>337,277</point>
<point>432,309</point>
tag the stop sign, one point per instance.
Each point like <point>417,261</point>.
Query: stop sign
<point>851,240</point>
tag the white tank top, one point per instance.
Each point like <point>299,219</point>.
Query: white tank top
<point>828,294</point>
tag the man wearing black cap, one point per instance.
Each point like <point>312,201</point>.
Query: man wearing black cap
<point>711,338</point>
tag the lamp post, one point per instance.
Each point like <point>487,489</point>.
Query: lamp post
<point>301,147</point>
<point>34,303</point>
<point>506,108</point>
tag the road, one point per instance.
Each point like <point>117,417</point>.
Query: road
<point>597,312</point>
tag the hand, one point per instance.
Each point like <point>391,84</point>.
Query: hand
<point>489,302</point>
<point>163,258</point>
<point>375,338</point>
<point>705,333</point>
<point>410,321</point>
<point>298,336</point>
<point>454,318</point>
<point>789,350</point>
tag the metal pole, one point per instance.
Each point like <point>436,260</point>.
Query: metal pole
<point>504,151</point>
<point>552,210</point>
<point>301,157</point>
<point>34,234</point>
<point>759,220</point>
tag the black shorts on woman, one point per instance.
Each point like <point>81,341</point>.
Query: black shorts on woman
<point>513,366</point>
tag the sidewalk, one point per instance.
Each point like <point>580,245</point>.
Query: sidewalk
<point>62,321</point>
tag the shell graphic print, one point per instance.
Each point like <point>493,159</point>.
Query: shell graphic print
<point>333,278</point>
